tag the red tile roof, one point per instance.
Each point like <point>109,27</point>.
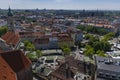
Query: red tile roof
<point>63,35</point>
<point>16,60</point>
<point>6,73</point>
<point>64,39</point>
<point>11,38</point>
<point>31,34</point>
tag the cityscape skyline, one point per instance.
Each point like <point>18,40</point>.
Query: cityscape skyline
<point>62,4</point>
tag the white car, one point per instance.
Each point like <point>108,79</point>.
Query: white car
<point>81,52</point>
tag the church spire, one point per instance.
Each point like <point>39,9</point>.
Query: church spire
<point>9,12</point>
<point>10,21</point>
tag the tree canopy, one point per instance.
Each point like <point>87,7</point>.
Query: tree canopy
<point>38,53</point>
<point>89,51</point>
<point>3,30</point>
<point>101,53</point>
<point>108,36</point>
<point>97,46</point>
<point>93,29</point>
<point>29,46</point>
<point>66,49</point>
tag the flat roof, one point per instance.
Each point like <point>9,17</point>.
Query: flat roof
<point>114,66</point>
<point>52,51</point>
<point>114,54</point>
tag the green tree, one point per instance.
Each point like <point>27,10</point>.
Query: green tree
<point>3,30</point>
<point>102,31</point>
<point>64,46</point>
<point>92,29</point>
<point>30,47</point>
<point>101,45</point>
<point>89,51</point>
<point>89,29</point>
<point>97,45</point>
<point>88,36</point>
<point>101,53</point>
<point>26,43</point>
<point>31,56</point>
<point>108,36</point>
<point>39,53</point>
<point>66,51</point>
<point>92,40</point>
<point>106,46</point>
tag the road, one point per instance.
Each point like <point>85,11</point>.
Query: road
<point>78,56</point>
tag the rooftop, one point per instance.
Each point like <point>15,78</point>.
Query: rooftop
<point>73,66</point>
<point>108,64</point>
<point>11,38</point>
<point>12,62</point>
<point>16,60</point>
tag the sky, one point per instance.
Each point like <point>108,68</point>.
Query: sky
<point>61,4</point>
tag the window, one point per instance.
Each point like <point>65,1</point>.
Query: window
<point>114,76</point>
<point>107,75</point>
<point>100,74</point>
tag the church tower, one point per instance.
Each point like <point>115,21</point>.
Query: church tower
<point>10,21</point>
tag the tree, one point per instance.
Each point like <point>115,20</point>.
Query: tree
<point>31,56</point>
<point>39,53</point>
<point>106,46</point>
<point>66,49</point>
<point>88,36</point>
<point>93,29</point>
<point>3,30</point>
<point>97,45</point>
<point>92,40</point>
<point>101,45</point>
<point>89,51</point>
<point>64,46</point>
<point>26,42</point>
<point>108,36</point>
<point>102,31</point>
<point>30,47</point>
<point>100,53</point>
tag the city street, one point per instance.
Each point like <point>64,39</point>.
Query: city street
<point>78,55</point>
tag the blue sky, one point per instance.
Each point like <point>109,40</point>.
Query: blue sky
<point>61,4</point>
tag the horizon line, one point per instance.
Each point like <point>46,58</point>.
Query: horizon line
<point>57,9</point>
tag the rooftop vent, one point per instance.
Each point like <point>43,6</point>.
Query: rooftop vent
<point>109,61</point>
<point>117,63</point>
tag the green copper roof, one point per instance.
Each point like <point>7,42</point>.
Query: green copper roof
<point>9,12</point>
